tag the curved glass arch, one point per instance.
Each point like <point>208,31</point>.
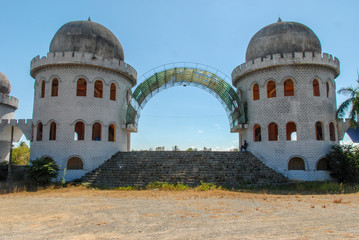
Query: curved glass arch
<point>172,75</point>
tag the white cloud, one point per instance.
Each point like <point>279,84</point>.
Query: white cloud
<point>200,131</point>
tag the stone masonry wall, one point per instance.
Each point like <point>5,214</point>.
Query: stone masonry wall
<point>223,168</point>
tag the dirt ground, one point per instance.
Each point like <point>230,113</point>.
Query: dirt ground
<point>79,213</point>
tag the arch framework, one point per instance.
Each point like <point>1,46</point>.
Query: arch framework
<point>191,74</point>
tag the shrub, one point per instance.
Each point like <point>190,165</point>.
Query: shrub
<point>207,186</point>
<point>343,161</point>
<point>42,171</point>
<point>167,186</point>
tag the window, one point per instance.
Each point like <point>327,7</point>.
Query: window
<point>79,131</point>
<point>288,87</point>
<point>327,87</point>
<point>42,94</point>
<point>52,131</point>
<point>291,130</point>
<point>39,132</point>
<point>112,133</point>
<point>257,133</point>
<point>75,163</point>
<point>255,92</point>
<point>81,87</point>
<point>296,163</point>
<point>316,92</point>
<point>272,132</point>
<point>322,164</point>
<point>98,89</point>
<point>271,89</point>
<point>319,131</point>
<point>96,131</point>
<point>332,131</point>
<point>55,87</point>
<point>113,92</point>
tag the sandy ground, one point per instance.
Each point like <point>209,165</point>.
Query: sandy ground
<point>77,213</point>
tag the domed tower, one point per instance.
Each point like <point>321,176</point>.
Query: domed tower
<point>82,89</point>
<point>289,89</point>
<point>8,105</point>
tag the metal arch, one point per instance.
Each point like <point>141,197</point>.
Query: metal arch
<point>193,74</point>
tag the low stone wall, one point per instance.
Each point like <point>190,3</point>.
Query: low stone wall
<point>18,173</point>
<point>228,169</point>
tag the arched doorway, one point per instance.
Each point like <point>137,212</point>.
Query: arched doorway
<point>201,76</point>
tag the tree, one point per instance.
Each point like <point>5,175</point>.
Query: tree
<point>343,163</point>
<point>351,103</point>
<point>21,154</point>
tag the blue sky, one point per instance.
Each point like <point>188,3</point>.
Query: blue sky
<point>156,32</point>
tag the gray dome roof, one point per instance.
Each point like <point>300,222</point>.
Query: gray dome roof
<point>87,36</point>
<point>282,37</point>
<point>5,86</point>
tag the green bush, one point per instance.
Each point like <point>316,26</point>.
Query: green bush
<point>208,186</point>
<point>343,161</point>
<point>167,186</point>
<point>42,171</point>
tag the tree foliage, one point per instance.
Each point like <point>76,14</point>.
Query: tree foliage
<point>350,105</point>
<point>42,171</point>
<point>343,163</point>
<point>21,154</point>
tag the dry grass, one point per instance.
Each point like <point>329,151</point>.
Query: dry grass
<point>78,212</point>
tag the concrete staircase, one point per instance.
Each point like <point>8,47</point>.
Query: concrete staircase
<point>228,169</point>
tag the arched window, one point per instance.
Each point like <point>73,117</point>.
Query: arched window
<point>316,92</point>
<point>52,131</point>
<point>331,131</point>
<point>79,131</point>
<point>75,163</point>
<point>291,130</point>
<point>296,163</point>
<point>42,93</point>
<point>98,89</point>
<point>327,86</point>
<point>55,87</point>
<point>271,89</point>
<point>113,92</point>
<point>112,133</point>
<point>255,92</point>
<point>257,133</point>
<point>39,132</point>
<point>322,164</point>
<point>319,135</point>
<point>96,131</point>
<point>288,87</point>
<point>81,87</point>
<point>272,132</point>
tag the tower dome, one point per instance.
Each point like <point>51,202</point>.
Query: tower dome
<point>87,36</point>
<point>282,37</point>
<point>5,86</point>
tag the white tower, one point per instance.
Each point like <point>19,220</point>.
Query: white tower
<point>289,89</point>
<point>82,88</point>
<point>8,105</point>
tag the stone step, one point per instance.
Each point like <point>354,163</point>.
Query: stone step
<point>223,168</point>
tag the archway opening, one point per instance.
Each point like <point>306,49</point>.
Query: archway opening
<point>199,122</point>
<point>168,76</point>
<point>296,163</point>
